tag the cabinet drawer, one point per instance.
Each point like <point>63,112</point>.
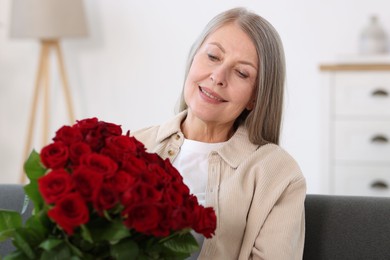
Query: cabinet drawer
<point>362,180</point>
<point>362,141</point>
<point>362,93</point>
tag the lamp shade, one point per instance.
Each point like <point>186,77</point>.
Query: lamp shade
<point>47,19</point>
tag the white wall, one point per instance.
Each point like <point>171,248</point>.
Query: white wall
<point>130,68</point>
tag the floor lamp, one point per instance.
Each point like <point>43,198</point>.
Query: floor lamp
<point>49,21</point>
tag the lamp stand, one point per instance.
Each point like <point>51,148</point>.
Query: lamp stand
<point>42,87</point>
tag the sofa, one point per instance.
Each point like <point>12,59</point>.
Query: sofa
<point>347,227</point>
<point>12,197</point>
<point>337,227</point>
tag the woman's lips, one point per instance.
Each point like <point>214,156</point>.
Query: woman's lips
<point>209,93</point>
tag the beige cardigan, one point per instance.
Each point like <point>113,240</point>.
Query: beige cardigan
<point>257,192</point>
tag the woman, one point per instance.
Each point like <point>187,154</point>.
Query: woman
<point>225,141</point>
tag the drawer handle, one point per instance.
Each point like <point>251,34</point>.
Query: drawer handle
<point>380,139</point>
<point>379,185</point>
<point>380,93</point>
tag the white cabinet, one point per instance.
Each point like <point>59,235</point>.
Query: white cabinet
<point>356,126</point>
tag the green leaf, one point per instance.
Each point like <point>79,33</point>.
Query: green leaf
<point>50,243</point>
<point>86,234</point>
<point>33,193</point>
<point>75,250</point>
<point>28,240</point>
<point>16,255</point>
<point>182,243</point>
<point>110,231</point>
<point>9,221</point>
<point>124,250</point>
<point>33,167</point>
<point>6,234</point>
<point>41,223</point>
<point>75,258</point>
<point>78,243</point>
<point>22,243</point>
<point>61,252</point>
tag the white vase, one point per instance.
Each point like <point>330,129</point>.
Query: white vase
<point>373,39</point>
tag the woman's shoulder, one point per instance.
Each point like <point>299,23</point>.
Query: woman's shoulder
<point>274,150</point>
<point>145,131</point>
<point>277,161</point>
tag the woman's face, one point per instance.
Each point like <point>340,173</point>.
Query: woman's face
<point>221,80</point>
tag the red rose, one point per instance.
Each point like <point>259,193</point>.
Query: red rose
<point>146,192</point>
<point>143,217</point>
<point>190,202</point>
<point>68,135</point>
<point>135,166</point>
<point>106,198</point>
<point>109,129</point>
<point>120,148</point>
<point>140,147</point>
<point>172,197</point>
<point>153,158</point>
<point>95,140</point>
<point>121,181</point>
<point>86,125</point>
<point>54,185</point>
<point>182,219</point>
<point>77,150</point>
<point>165,225</point>
<point>161,175</point>
<point>87,182</point>
<point>128,199</point>
<point>55,155</point>
<point>150,178</point>
<point>205,221</point>
<point>70,212</point>
<point>176,176</point>
<point>96,137</point>
<point>99,163</point>
<point>180,187</point>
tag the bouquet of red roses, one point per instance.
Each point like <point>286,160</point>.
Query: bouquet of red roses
<point>98,194</point>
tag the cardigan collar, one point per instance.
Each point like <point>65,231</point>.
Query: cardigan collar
<point>237,148</point>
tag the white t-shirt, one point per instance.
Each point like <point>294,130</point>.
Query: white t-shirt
<point>192,164</point>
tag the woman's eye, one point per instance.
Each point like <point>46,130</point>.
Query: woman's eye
<point>242,74</point>
<point>212,57</point>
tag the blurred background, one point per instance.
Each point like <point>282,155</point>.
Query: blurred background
<point>129,67</point>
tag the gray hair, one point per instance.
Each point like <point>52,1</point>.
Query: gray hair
<point>263,122</point>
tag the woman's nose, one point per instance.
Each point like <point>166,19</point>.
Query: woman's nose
<point>218,76</point>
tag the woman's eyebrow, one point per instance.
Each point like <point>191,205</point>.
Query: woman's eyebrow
<point>242,61</point>
<point>218,45</point>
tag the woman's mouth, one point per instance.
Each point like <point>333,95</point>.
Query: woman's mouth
<point>211,94</point>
